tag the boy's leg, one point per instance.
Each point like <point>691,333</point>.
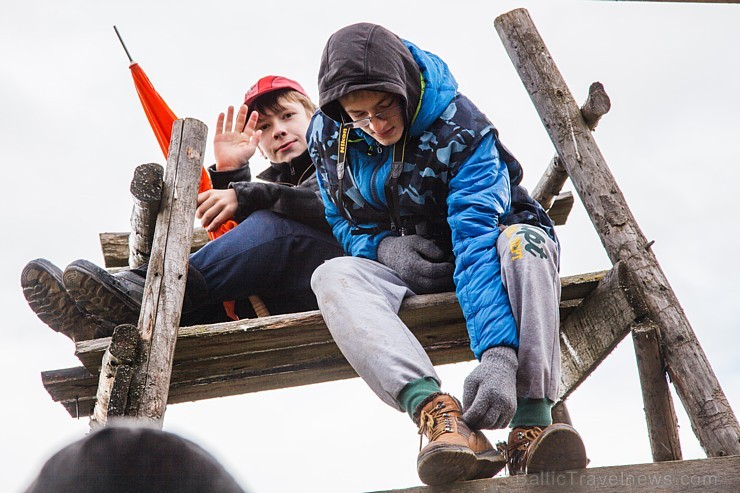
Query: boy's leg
<point>529,271</point>
<point>267,255</point>
<point>44,290</point>
<point>359,300</point>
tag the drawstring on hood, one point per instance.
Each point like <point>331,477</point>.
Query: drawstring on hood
<point>370,57</point>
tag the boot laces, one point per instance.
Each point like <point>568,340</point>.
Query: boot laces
<point>516,449</point>
<point>435,423</point>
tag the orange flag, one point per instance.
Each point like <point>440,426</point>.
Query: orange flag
<point>161,118</point>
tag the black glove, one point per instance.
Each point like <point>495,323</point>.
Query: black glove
<point>421,264</point>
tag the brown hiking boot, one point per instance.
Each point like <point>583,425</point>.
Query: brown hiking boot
<point>44,290</point>
<point>532,450</point>
<point>454,451</point>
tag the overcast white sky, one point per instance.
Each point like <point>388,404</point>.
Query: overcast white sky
<point>72,132</point>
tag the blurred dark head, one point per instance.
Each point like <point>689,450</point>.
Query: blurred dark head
<point>125,458</point>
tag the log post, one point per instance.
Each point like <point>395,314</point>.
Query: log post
<point>115,375</point>
<point>711,416</point>
<point>593,330</point>
<point>656,396</point>
<point>560,414</point>
<point>146,190</point>
<point>551,183</point>
<point>165,281</point>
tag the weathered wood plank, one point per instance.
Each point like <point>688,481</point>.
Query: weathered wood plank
<point>146,191</point>
<point>167,272</point>
<point>718,475</point>
<point>283,350</point>
<point>712,418</point>
<point>595,328</point>
<point>560,208</point>
<point>437,311</point>
<point>660,415</point>
<point>115,246</point>
<point>560,413</point>
<point>239,374</point>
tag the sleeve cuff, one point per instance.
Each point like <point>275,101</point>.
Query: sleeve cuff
<point>222,179</point>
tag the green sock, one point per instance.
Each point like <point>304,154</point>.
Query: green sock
<point>415,392</point>
<point>532,412</point>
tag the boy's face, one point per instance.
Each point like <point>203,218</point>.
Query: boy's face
<point>283,132</point>
<point>378,113</point>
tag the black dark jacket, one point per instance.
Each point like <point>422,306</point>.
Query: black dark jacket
<point>292,191</point>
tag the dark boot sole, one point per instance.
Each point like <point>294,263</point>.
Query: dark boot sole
<point>88,285</point>
<point>489,463</point>
<point>45,293</point>
<point>447,464</point>
<point>559,448</point>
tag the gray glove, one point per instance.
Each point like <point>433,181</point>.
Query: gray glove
<point>489,393</point>
<point>421,264</point>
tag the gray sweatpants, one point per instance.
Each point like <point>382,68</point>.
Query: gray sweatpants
<point>529,272</point>
<point>360,298</point>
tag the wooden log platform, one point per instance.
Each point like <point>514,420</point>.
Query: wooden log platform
<point>717,475</point>
<point>267,353</point>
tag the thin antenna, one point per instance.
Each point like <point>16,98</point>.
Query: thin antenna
<point>123,44</point>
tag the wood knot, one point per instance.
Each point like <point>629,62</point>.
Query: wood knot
<point>192,153</point>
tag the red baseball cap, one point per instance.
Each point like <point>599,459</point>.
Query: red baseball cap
<point>268,84</point>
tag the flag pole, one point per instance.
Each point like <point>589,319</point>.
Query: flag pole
<point>131,60</point>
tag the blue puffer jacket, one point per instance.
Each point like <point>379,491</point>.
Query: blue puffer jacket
<point>474,193</point>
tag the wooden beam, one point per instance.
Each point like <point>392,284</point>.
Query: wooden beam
<point>146,191</point>
<point>711,416</point>
<point>288,350</point>
<point>115,246</point>
<point>551,183</point>
<point>656,396</point>
<point>595,328</point>
<point>717,475</point>
<point>560,208</point>
<point>560,413</point>
<point>164,289</point>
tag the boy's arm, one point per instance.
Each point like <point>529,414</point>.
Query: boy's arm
<point>222,179</point>
<point>478,195</point>
<point>363,245</point>
<point>301,203</point>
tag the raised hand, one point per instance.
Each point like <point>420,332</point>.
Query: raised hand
<point>235,141</point>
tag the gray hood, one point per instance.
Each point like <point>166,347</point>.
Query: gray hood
<point>367,56</point>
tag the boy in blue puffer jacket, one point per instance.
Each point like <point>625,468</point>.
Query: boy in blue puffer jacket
<point>418,189</point>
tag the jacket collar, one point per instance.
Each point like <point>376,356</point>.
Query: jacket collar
<point>290,172</point>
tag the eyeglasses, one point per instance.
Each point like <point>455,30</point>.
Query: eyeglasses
<point>383,115</point>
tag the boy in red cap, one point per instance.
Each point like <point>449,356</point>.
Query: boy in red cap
<point>281,236</point>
